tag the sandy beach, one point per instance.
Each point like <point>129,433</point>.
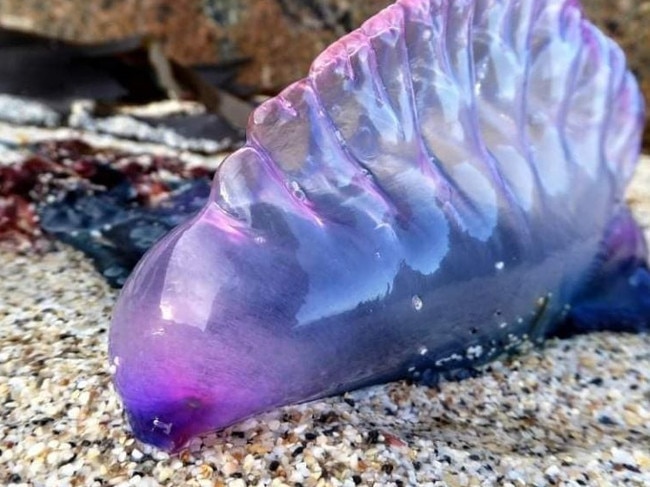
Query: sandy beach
<point>575,413</point>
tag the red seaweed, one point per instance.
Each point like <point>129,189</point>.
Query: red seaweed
<point>95,200</point>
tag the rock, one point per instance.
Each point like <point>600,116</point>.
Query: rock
<point>280,37</point>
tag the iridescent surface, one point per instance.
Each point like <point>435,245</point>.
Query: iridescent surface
<point>438,189</point>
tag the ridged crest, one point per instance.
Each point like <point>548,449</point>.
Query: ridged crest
<point>490,101</point>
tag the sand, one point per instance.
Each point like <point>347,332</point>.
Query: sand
<point>575,413</point>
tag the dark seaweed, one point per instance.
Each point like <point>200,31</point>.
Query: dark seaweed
<point>113,230</point>
<point>110,205</point>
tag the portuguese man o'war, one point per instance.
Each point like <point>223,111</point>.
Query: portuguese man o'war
<point>446,184</point>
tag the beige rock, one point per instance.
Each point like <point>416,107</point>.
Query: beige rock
<point>281,36</point>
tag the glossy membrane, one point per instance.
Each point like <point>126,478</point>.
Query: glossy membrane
<point>433,193</point>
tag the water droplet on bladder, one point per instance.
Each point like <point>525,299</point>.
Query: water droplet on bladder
<point>297,191</point>
<point>416,302</point>
<point>161,425</point>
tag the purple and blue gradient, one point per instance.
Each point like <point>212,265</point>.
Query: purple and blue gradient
<point>445,183</point>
